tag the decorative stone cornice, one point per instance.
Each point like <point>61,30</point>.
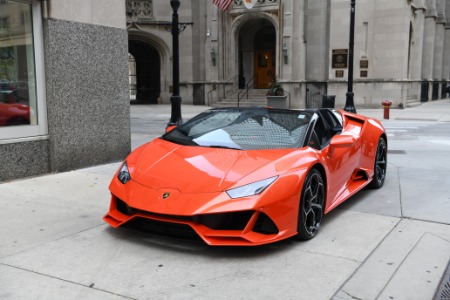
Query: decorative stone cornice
<point>440,8</point>
<point>431,9</point>
<point>261,5</point>
<point>418,4</point>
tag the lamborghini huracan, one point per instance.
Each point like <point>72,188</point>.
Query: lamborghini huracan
<point>249,176</point>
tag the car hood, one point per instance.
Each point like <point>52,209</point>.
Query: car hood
<point>194,169</point>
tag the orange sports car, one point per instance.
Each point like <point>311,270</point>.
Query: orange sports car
<point>249,176</point>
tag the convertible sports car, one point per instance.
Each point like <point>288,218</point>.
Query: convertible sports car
<point>249,176</point>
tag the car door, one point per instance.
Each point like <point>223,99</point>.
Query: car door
<point>341,158</point>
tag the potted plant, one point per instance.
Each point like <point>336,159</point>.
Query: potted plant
<point>275,95</point>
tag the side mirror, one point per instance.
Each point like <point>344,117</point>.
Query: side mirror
<point>342,141</point>
<point>169,128</point>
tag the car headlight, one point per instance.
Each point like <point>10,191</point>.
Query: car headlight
<point>251,189</point>
<point>124,175</point>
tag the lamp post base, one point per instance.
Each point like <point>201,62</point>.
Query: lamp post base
<point>175,118</point>
<point>349,104</point>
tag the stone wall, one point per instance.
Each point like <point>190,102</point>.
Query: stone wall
<point>87,94</point>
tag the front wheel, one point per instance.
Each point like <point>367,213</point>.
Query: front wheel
<point>311,205</point>
<point>380,165</point>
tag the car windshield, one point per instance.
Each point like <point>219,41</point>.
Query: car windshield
<point>244,129</point>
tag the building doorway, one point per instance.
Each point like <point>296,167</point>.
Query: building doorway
<point>257,54</point>
<point>264,56</point>
<point>264,68</point>
<point>144,73</point>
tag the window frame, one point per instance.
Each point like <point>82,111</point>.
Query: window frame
<point>21,133</point>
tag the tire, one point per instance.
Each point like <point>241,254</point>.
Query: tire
<point>380,165</point>
<point>312,201</point>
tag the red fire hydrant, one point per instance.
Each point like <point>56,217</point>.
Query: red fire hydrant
<point>387,107</point>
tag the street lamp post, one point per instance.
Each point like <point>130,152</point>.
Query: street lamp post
<point>175,99</point>
<point>349,103</point>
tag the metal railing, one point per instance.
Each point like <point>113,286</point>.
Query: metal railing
<point>224,88</point>
<point>209,94</point>
<point>232,79</point>
<point>289,99</point>
<point>249,85</point>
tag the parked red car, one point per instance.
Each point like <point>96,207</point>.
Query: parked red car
<point>14,114</point>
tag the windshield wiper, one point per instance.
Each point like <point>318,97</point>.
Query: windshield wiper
<point>224,147</point>
<point>178,137</point>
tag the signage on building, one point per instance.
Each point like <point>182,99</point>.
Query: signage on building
<point>363,73</point>
<point>363,64</point>
<point>339,73</point>
<point>339,58</point>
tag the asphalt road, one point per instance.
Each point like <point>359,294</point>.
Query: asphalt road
<point>392,243</point>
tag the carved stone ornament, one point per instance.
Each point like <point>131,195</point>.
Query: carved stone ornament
<point>259,3</point>
<point>139,9</point>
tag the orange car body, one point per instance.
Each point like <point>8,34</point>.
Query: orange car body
<point>185,185</point>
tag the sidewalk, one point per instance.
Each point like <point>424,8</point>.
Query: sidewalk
<point>392,243</point>
<point>429,111</point>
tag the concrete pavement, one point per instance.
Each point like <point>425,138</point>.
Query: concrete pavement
<point>392,243</point>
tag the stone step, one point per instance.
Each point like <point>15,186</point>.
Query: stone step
<point>247,103</point>
<point>256,97</point>
<point>412,103</point>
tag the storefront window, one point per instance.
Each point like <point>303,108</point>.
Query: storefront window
<point>17,66</point>
<point>22,80</point>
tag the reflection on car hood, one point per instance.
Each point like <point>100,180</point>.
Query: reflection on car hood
<point>193,169</point>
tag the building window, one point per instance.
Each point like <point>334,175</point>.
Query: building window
<point>132,77</point>
<point>21,71</point>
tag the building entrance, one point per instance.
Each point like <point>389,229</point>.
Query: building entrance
<point>257,54</point>
<point>264,68</point>
<point>264,42</point>
<point>144,73</point>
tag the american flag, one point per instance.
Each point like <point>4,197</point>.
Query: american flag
<point>223,4</point>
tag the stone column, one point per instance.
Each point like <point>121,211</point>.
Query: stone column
<point>428,40</point>
<point>439,41</point>
<point>446,59</point>
<point>297,49</point>
<point>415,59</point>
<point>428,49</point>
<point>317,48</point>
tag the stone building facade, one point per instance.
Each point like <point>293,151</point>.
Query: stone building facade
<point>69,69</point>
<point>402,50</point>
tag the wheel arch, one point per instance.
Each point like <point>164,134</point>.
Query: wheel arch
<point>384,137</point>
<point>319,167</point>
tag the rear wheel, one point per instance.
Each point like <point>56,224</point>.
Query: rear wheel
<point>380,165</point>
<point>311,205</point>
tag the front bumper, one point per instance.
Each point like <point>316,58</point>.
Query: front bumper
<point>239,228</point>
<point>214,217</point>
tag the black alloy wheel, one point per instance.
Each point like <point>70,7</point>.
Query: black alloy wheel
<point>311,205</point>
<point>380,165</point>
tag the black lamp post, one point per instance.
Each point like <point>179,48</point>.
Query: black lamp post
<point>175,99</point>
<point>349,104</point>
